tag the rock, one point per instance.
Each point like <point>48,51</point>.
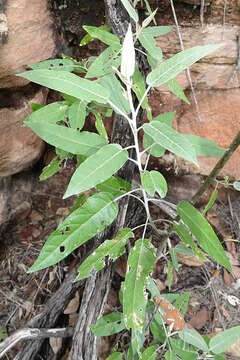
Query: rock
<point>31,38</point>
<point>19,146</point>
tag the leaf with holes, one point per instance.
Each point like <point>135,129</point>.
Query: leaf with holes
<point>130,9</point>
<point>67,139</point>
<point>97,168</point>
<point>140,263</point>
<point>171,140</point>
<point>98,212</point>
<point>109,324</point>
<point>50,170</point>
<point>222,341</point>
<point>169,69</point>
<point>110,248</point>
<point>204,146</point>
<point>192,337</point>
<point>153,181</point>
<point>59,65</point>
<point>68,83</point>
<point>103,64</point>
<point>203,232</point>
<point>77,114</point>
<point>103,35</point>
<point>49,114</point>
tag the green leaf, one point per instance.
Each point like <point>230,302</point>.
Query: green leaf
<point>192,337</point>
<point>150,44</point>
<point>153,181</point>
<point>131,11</point>
<point>88,38</point>
<point>3,333</point>
<point>139,88</point>
<point>51,113</point>
<point>176,89</point>
<point>170,355</point>
<point>103,64</point>
<point>108,325</point>
<point>97,168</point>
<point>222,341</point>
<point>69,84</point>
<point>150,18</point>
<point>50,169</point>
<point>155,31</point>
<point>211,202</point>
<point>67,139</point>
<point>170,68</point>
<point>98,212</point>
<point>111,83</point>
<point>171,140</point>
<point>173,255</point>
<point>203,232</point>
<point>140,263</point>
<point>157,329</point>
<point>115,356</point>
<point>150,353</point>
<point>181,303</point>
<point>77,114</point>
<point>58,65</point>
<point>100,126</point>
<point>111,248</point>
<point>35,106</point>
<point>187,353</point>
<point>105,36</point>
<point>205,147</point>
<point>184,235</point>
<point>219,357</point>
<point>115,186</point>
<point>236,185</point>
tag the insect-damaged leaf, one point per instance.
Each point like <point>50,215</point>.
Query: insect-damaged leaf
<point>68,83</point>
<point>94,216</point>
<point>97,168</point>
<point>140,264</point>
<point>59,65</point>
<point>109,324</point>
<point>111,248</point>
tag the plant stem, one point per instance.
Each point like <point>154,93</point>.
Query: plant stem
<point>220,164</point>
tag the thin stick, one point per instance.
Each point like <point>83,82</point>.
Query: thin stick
<point>187,70</point>
<point>28,333</point>
<point>220,164</point>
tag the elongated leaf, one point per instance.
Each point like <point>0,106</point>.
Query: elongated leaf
<point>153,181</point>
<point>103,64</point>
<point>77,115</point>
<point>176,89</point>
<point>67,139</point>
<point>115,186</point>
<point>192,337</point>
<point>211,202</point>
<point>128,55</point>
<point>150,353</point>
<point>111,83</point>
<point>111,248</point>
<point>59,65</point>
<point>105,36</point>
<point>50,169</point>
<point>98,212</point>
<point>149,19</point>
<point>155,31</point>
<point>205,147</point>
<point>51,113</point>
<point>203,232</point>
<point>100,126</point>
<point>171,140</point>
<point>97,168</point>
<point>88,38</point>
<point>115,356</point>
<point>140,264</point>
<point>139,88</point>
<point>170,68</point>
<point>69,84</point>
<point>131,11</point>
<point>150,44</point>
<point>109,324</point>
<point>184,234</point>
<point>222,341</point>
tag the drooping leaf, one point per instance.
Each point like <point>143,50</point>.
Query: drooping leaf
<point>115,356</point>
<point>88,38</point>
<point>100,126</point>
<point>77,114</point>
<point>150,18</point>
<point>103,64</point>
<point>169,69</point>
<point>115,89</point>
<point>111,248</point>
<point>222,341</point>
<point>50,170</point>
<point>139,88</point>
<point>103,35</point>
<point>203,232</point>
<point>97,168</point>
<point>67,139</point>
<point>236,185</point>
<point>59,65</point>
<point>153,181</point>
<point>192,337</point>
<point>51,113</point>
<point>98,212</point>
<point>150,353</point>
<point>140,264</point>
<point>211,201</point>
<point>115,186</point>
<point>150,45</point>
<point>68,83</point>
<point>176,89</point>
<point>205,147</point>
<point>171,140</point>
<point>130,9</point>
<point>108,324</point>
<point>128,55</point>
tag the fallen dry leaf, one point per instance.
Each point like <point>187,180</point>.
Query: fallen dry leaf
<point>227,278</point>
<point>231,247</point>
<point>236,272</point>
<point>200,319</point>
<point>171,315</point>
<point>73,305</point>
<point>189,260</point>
